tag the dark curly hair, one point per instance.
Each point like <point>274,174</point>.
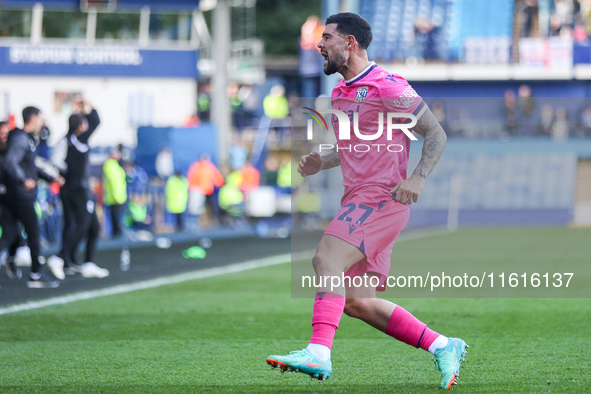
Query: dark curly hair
<point>352,24</point>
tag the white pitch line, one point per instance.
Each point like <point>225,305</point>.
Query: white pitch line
<point>149,284</point>
<point>184,277</point>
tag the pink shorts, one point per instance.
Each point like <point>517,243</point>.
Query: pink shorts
<point>373,228</point>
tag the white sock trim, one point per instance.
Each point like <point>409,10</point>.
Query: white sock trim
<point>320,351</point>
<point>440,342</point>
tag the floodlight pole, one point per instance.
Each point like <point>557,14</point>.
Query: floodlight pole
<point>220,104</point>
<point>37,24</point>
<point>91,26</point>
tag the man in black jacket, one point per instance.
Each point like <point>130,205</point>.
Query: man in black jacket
<point>7,257</point>
<point>70,156</point>
<point>22,174</point>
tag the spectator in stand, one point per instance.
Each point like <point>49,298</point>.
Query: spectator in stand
<point>204,102</point>
<point>192,121</point>
<point>276,108</point>
<point>204,177</point>
<point>563,18</point>
<point>11,122</point>
<point>43,148</point>
<point>114,190</point>
<point>555,26</point>
<point>251,179</point>
<point>177,197</point>
<point>7,258</point>
<point>577,6</point>
<point>585,16</point>
<point>561,127</point>
<point>529,16</point>
<point>526,110</point>
<point>236,106</point>
<point>4,130</point>
<point>510,112</point>
<point>311,32</point>
<point>231,199</point>
<point>425,33</point>
<point>271,171</point>
<point>238,153</point>
<point>546,120</point>
<point>165,163</point>
<point>124,155</point>
<point>564,10</point>
<point>459,123</point>
<point>580,33</point>
<point>140,217</point>
<point>284,174</point>
<point>307,207</point>
<point>250,104</point>
<point>275,103</point>
<point>585,121</point>
<point>71,156</point>
<point>137,179</point>
<point>21,175</point>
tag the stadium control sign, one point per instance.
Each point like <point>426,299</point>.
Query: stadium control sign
<point>116,61</point>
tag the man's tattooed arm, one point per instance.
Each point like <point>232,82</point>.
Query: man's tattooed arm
<point>435,139</point>
<point>330,160</point>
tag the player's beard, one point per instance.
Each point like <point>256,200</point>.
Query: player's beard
<point>333,63</point>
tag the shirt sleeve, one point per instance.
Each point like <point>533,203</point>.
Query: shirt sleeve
<point>58,157</point>
<point>398,96</point>
<point>93,122</point>
<point>16,151</point>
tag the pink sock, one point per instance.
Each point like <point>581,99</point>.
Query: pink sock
<point>328,310</point>
<point>429,336</point>
<point>408,329</point>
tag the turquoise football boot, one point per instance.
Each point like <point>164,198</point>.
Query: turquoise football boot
<point>448,360</point>
<point>304,362</point>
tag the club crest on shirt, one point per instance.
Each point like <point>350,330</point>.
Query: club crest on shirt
<point>361,93</point>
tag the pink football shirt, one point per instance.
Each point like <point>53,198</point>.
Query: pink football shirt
<point>371,168</point>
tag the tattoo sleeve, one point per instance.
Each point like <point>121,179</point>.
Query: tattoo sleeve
<point>435,138</point>
<point>330,160</point>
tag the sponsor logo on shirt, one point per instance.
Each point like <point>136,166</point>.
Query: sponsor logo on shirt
<point>361,93</point>
<point>408,97</point>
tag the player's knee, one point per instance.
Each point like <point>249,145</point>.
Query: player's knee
<point>354,307</point>
<point>322,258</point>
<point>319,263</point>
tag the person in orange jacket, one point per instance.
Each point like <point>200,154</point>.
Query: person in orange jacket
<point>204,177</point>
<point>251,178</point>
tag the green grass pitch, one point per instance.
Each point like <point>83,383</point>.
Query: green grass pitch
<point>213,335</point>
